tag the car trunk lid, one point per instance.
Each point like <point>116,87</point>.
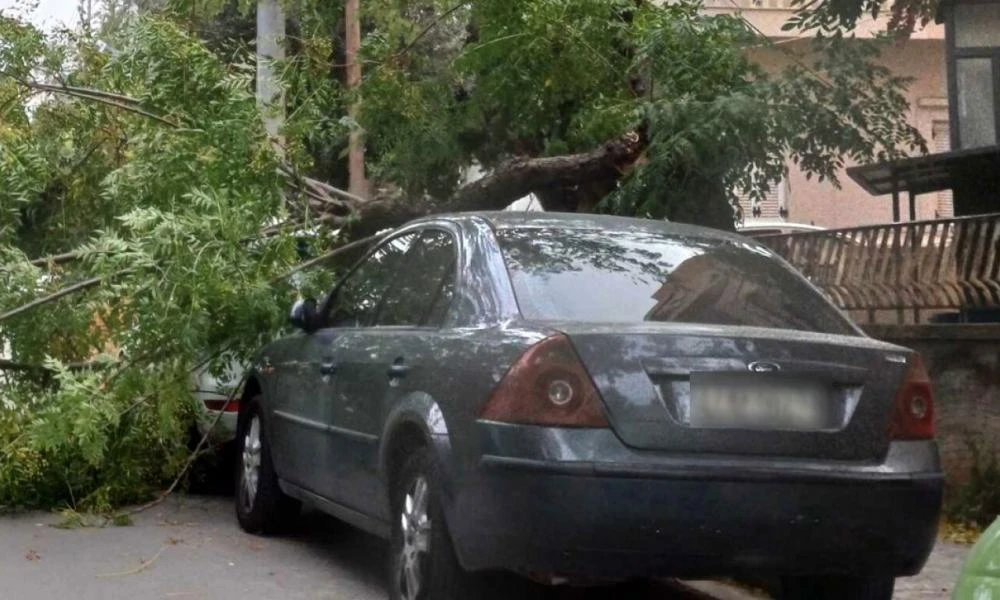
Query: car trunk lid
<point>733,389</point>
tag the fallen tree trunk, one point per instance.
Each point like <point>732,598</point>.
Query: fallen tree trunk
<point>507,183</point>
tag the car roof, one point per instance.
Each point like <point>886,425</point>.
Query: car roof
<point>500,220</point>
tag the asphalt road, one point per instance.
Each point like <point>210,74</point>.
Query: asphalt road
<point>190,547</point>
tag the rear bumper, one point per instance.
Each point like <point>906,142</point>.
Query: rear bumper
<point>224,431</point>
<point>600,520</point>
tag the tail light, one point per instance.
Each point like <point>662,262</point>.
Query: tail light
<point>232,407</point>
<point>548,385</point>
<point>913,407</point>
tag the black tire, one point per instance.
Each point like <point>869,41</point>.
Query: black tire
<point>838,588</point>
<point>441,575</point>
<point>269,510</point>
<point>212,473</point>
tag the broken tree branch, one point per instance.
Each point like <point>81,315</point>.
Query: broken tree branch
<point>520,177</point>
<point>508,182</point>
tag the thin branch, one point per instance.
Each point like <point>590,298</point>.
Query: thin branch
<point>134,405</point>
<point>325,257</point>
<point>12,365</point>
<point>429,27</point>
<point>83,92</point>
<point>56,259</point>
<point>409,46</point>
<point>116,100</point>
<point>313,183</point>
<point>143,565</point>
<point>66,291</point>
<point>191,457</point>
<point>109,102</point>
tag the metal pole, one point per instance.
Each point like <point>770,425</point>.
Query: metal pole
<point>913,206</point>
<point>270,49</point>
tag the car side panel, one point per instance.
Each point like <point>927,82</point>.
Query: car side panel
<point>453,372</point>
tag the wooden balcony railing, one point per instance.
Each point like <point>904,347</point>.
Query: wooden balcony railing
<point>941,264</point>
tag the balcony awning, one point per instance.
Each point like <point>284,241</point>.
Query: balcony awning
<point>923,174</point>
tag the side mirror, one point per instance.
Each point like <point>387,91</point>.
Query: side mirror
<point>303,314</point>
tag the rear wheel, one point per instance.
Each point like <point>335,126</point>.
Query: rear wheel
<point>831,588</point>
<point>261,506</point>
<point>422,561</point>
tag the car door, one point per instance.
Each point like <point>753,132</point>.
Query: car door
<point>378,361</point>
<point>351,307</point>
<point>306,372</point>
<point>297,430</point>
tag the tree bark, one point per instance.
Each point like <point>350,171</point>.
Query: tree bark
<point>358,184</point>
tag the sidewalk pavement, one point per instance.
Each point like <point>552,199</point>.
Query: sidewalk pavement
<point>935,581</point>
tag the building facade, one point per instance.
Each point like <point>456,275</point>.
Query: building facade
<point>922,58</point>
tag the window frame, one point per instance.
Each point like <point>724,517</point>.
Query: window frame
<point>953,55</point>
<point>328,303</point>
<point>417,231</point>
<point>456,271</point>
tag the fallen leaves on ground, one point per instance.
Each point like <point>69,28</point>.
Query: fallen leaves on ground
<point>960,533</point>
<point>32,555</point>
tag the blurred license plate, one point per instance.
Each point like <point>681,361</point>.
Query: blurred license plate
<point>759,401</point>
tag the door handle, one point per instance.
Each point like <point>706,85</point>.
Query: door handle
<point>327,367</point>
<point>398,369</point>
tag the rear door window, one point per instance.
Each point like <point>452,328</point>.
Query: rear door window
<point>424,286</point>
<point>359,296</point>
<point>631,276</point>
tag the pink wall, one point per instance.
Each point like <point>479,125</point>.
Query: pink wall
<point>822,203</point>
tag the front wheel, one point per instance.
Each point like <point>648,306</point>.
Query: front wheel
<point>261,506</point>
<point>837,588</point>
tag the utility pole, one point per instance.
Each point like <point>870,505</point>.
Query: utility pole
<point>270,49</point>
<point>356,150</point>
<point>85,8</point>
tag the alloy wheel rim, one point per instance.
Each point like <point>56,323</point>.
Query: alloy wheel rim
<point>416,528</point>
<point>251,463</point>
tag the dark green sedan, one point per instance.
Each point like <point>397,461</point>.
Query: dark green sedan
<point>582,399</point>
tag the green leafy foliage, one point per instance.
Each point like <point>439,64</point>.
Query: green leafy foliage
<point>169,217</point>
<point>134,169</point>
<point>976,503</point>
<point>542,78</point>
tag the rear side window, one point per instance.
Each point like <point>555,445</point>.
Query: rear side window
<point>424,286</point>
<point>629,276</point>
<point>359,296</point>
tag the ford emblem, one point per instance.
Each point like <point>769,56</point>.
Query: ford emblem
<point>763,367</point>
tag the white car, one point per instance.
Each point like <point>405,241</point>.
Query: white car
<point>762,227</point>
<point>211,394</point>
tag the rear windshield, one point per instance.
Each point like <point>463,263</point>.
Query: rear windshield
<point>599,276</point>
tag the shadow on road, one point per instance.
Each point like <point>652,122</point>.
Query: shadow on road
<point>349,548</point>
<point>363,557</point>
